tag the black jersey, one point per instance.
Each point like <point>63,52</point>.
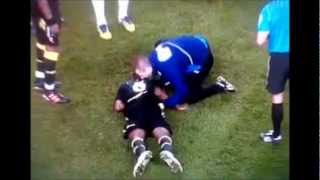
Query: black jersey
<point>142,107</point>
<point>138,97</point>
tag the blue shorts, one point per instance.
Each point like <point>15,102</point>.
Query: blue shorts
<point>278,72</point>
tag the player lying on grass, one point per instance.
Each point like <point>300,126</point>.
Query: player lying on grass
<point>144,116</point>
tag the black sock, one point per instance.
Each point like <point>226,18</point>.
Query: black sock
<point>277,116</point>
<point>165,143</point>
<point>50,74</point>
<point>138,146</point>
<point>215,89</point>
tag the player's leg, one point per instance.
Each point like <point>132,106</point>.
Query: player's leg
<point>162,132</point>
<point>278,73</point>
<point>142,155</point>
<point>164,139</point>
<point>134,130</point>
<point>277,113</point>
<point>221,85</point>
<point>195,81</point>
<point>198,93</point>
<point>123,18</point>
<point>101,21</point>
<point>201,93</point>
<point>51,94</point>
<point>47,56</point>
<point>40,63</point>
<point>207,66</point>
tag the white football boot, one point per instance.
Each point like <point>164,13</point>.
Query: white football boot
<point>173,163</point>
<point>221,81</point>
<point>141,163</point>
<point>267,137</point>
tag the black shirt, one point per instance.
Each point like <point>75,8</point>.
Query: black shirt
<point>138,97</point>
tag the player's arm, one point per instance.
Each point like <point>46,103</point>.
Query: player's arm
<point>119,103</point>
<point>52,21</point>
<point>178,96</point>
<point>160,93</point>
<point>262,38</point>
<point>263,27</point>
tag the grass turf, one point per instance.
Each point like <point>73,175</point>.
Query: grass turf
<point>215,139</point>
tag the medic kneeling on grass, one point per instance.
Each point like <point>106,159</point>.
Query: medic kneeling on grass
<point>140,102</point>
<point>182,64</point>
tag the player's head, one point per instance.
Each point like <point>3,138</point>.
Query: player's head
<point>142,67</point>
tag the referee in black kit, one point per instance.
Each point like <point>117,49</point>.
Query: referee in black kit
<point>273,27</point>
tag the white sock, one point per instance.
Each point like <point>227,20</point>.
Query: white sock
<point>99,10</point>
<point>122,9</point>
<point>39,74</point>
<point>49,86</point>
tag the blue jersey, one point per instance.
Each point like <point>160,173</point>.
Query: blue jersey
<point>175,58</point>
<point>274,18</point>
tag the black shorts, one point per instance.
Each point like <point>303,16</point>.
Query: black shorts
<point>278,72</point>
<point>147,120</point>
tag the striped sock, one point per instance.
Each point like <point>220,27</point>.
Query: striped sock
<point>40,65</point>
<point>138,146</point>
<point>50,75</point>
<point>165,143</point>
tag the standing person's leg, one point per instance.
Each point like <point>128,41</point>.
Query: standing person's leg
<point>47,56</point>
<point>277,113</point>
<point>99,11</point>
<point>40,64</point>
<point>278,74</point>
<point>101,21</point>
<point>51,94</point>
<point>123,18</point>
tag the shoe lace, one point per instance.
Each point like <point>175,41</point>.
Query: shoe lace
<point>127,19</point>
<point>103,28</point>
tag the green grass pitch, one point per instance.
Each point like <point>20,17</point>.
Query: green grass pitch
<point>215,139</point>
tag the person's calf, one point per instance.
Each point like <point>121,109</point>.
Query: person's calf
<point>142,155</point>
<point>137,141</point>
<point>166,154</point>
<point>274,136</point>
<point>165,143</point>
<point>163,138</point>
<point>277,113</point>
<point>138,146</point>
<point>201,93</point>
